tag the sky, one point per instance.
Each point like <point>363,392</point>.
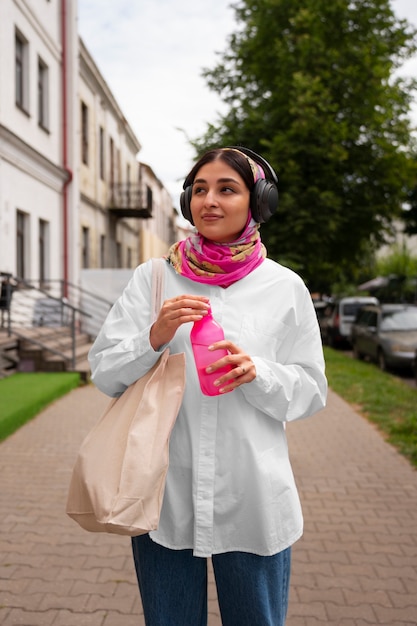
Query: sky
<point>151,54</point>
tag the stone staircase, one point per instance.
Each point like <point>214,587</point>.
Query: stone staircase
<point>44,350</point>
<point>51,350</point>
<point>9,357</point>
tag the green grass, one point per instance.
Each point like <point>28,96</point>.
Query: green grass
<point>22,396</point>
<point>382,398</point>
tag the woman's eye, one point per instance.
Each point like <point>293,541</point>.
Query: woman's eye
<point>199,190</point>
<point>202,189</point>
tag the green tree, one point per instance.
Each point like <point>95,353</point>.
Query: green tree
<point>399,262</point>
<point>400,267</point>
<point>310,85</point>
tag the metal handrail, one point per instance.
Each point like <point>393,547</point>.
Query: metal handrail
<point>69,315</point>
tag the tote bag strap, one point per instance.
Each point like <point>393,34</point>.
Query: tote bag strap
<point>158,276</point>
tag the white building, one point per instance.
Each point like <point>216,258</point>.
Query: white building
<point>38,193</point>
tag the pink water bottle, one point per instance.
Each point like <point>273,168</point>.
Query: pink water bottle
<point>205,332</point>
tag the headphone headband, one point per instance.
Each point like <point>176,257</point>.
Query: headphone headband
<point>269,172</point>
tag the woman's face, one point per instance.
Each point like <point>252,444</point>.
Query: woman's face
<point>219,202</point>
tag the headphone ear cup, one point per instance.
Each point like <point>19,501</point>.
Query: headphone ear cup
<point>185,203</point>
<point>264,200</point>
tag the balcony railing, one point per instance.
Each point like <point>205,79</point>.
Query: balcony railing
<point>128,200</point>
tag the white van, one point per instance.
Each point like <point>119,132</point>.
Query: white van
<point>336,329</point>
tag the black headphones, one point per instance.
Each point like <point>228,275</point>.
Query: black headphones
<point>263,197</point>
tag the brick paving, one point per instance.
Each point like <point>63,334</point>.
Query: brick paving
<point>356,564</point>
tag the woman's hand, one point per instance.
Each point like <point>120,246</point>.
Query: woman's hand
<point>243,368</point>
<point>173,313</point>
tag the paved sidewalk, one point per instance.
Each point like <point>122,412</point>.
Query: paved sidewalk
<point>355,566</point>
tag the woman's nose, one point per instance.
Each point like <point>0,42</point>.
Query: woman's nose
<point>211,198</point>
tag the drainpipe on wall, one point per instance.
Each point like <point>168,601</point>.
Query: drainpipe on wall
<point>65,146</point>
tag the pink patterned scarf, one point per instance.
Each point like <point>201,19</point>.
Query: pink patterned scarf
<point>220,264</point>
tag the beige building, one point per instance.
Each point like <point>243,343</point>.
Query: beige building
<point>156,234</point>
<point>126,214</point>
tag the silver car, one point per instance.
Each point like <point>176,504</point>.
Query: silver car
<point>338,317</point>
<point>387,334</point>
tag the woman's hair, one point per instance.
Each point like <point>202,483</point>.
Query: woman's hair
<point>236,160</point>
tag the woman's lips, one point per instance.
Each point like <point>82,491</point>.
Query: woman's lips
<point>211,217</point>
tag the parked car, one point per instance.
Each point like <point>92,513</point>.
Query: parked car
<point>335,326</point>
<point>386,334</point>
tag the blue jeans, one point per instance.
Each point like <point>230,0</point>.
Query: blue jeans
<point>252,590</point>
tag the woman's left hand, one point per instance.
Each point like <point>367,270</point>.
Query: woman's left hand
<point>243,368</point>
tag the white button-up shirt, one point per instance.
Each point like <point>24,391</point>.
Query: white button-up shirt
<point>230,484</point>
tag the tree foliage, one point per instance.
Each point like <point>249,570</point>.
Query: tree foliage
<point>399,262</point>
<point>400,267</point>
<point>311,85</point>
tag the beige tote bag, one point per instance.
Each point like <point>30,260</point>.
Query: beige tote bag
<point>118,480</point>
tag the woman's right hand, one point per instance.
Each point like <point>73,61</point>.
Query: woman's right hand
<point>173,313</point>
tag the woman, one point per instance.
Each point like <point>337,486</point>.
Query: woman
<point>230,492</point>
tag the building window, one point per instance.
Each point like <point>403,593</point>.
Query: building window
<point>101,148</point>
<point>43,251</point>
<point>129,257</point>
<point>22,243</point>
<point>85,242</point>
<point>84,133</point>
<point>149,198</point>
<point>43,94</point>
<point>21,72</point>
<point>128,189</point>
<point>119,167</point>
<point>118,254</point>
<point>102,250</point>
<point>111,161</point>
